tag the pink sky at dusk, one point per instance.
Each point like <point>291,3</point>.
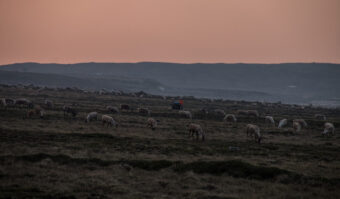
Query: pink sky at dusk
<point>186,31</point>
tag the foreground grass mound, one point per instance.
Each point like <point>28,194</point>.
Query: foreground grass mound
<point>235,168</point>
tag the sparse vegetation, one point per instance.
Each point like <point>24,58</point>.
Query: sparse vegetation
<point>57,157</point>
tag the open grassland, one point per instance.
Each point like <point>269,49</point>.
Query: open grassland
<point>57,157</point>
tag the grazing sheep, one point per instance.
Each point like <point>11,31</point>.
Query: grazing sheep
<point>109,121</point>
<point>9,101</point>
<point>282,123</point>
<point>254,113</point>
<point>196,129</point>
<point>252,129</point>
<point>36,111</point>
<point>320,117</point>
<point>49,104</point>
<point>69,110</point>
<point>42,113</point>
<point>242,112</point>
<point>25,102</point>
<point>296,127</point>
<point>220,112</point>
<point>112,109</point>
<point>302,122</point>
<point>124,107</point>
<point>230,118</point>
<point>39,111</point>
<point>91,116</point>
<point>270,120</point>
<point>151,123</point>
<point>144,111</point>
<point>102,92</point>
<point>3,102</point>
<point>204,111</point>
<point>185,114</point>
<point>329,128</point>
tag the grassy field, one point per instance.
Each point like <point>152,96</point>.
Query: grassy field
<point>57,157</point>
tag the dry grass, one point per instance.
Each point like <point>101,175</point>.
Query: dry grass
<point>56,157</point>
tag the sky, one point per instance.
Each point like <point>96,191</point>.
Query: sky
<point>185,31</point>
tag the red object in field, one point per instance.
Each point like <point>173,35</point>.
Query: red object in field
<point>181,102</point>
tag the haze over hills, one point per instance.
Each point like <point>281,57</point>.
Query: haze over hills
<point>290,82</point>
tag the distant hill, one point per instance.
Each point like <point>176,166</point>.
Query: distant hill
<point>291,82</point>
<point>149,86</point>
<point>62,81</point>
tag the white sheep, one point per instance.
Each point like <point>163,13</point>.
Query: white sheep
<point>42,113</point>
<point>49,103</point>
<point>109,121</point>
<point>329,128</point>
<point>196,129</point>
<point>251,130</point>
<point>282,123</point>
<point>320,117</point>
<point>39,111</point>
<point>91,116</point>
<point>24,101</point>
<point>270,120</point>
<point>3,102</point>
<point>302,122</point>
<point>242,112</point>
<point>254,113</point>
<point>248,113</point>
<point>186,114</point>
<point>9,101</point>
<point>296,127</point>
<point>220,112</point>
<point>112,109</point>
<point>230,118</point>
<point>151,123</point>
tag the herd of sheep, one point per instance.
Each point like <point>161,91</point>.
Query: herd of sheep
<point>195,130</point>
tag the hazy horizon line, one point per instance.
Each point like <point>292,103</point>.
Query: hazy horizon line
<point>183,63</point>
